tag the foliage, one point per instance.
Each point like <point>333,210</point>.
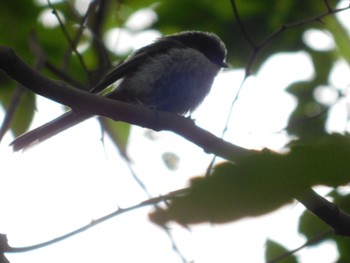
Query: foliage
<point>274,250</point>
<point>313,228</point>
<point>259,183</point>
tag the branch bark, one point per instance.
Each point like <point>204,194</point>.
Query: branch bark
<point>327,211</point>
<point>82,101</point>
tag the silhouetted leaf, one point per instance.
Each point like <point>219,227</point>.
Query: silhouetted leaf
<point>119,133</point>
<point>312,227</point>
<point>261,183</point>
<point>257,18</point>
<point>232,192</point>
<point>24,112</point>
<point>309,117</point>
<point>171,160</point>
<point>275,250</point>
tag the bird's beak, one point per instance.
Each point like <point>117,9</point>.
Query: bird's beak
<point>225,65</point>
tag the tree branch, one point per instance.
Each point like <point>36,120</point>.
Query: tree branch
<point>309,242</point>
<point>5,248</point>
<point>257,47</point>
<point>328,212</point>
<point>82,101</point>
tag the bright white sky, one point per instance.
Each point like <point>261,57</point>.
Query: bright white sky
<point>73,178</point>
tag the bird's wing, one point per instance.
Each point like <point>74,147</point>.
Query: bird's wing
<point>136,60</point>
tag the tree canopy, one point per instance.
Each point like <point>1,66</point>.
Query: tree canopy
<point>73,47</point>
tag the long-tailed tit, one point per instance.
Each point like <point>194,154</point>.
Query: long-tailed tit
<point>173,74</point>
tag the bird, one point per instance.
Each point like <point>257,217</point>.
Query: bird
<point>173,74</point>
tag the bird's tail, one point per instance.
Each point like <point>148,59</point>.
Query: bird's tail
<point>48,130</point>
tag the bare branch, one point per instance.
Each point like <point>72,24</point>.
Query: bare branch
<point>152,201</point>
<point>82,101</point>
<point>258,47</point>
<point>312,241</point>
<point>69,39</point>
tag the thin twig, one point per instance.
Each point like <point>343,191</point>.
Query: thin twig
<point>311,241</point>
<point>75,41</point>
<point>39,52</point>
<point>241,25</point>
<point>235,99</point>
<point>68,38</point>
<point>151,201</point>
<point>258,47</point>
<point>96,29</point>
<point>167,230</point>
<point>11,109</point>
<point>256,50</point>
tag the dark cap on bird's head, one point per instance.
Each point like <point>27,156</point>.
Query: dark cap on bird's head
<point>207,43</point>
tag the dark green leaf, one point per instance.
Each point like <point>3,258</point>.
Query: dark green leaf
<point>24,112</point>
<point>315,229</point>
<point>260,20</point>
<point>309,117</point>
<point>312,227</point>
<point>275,251</point>
<point>233,192</point>
<point>323,161</point>
<point>262,182</point>
<point>343,245</point>
<point>340,36</point>
<point>18,19</point>
<point>119,133</point>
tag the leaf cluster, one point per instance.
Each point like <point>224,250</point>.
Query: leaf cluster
<point>261,183</point>
<point>257,184</point>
